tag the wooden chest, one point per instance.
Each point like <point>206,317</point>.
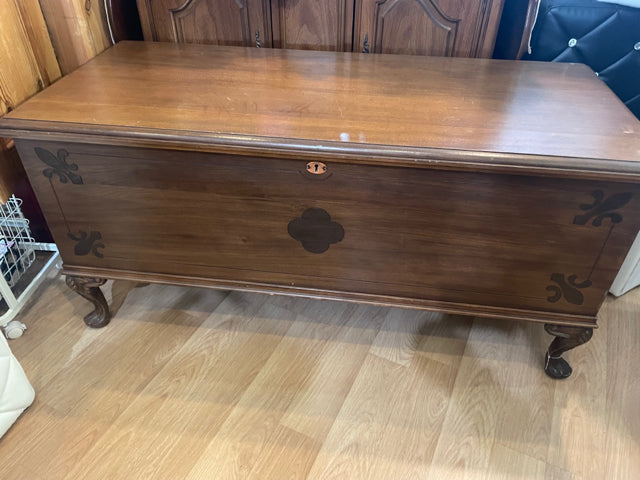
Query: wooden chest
<point>505,189</point>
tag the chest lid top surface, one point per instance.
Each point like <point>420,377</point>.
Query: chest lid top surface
<point>468,110</point>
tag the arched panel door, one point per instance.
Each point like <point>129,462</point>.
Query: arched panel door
<point>313,24</point>
<point>219,22</point>
<point>465,28</point>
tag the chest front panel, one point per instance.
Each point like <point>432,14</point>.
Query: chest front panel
<point>467,238</point>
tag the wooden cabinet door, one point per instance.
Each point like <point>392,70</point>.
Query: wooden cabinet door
<point>313,24</point>
<point>460,28</point>
<point>218,22</point>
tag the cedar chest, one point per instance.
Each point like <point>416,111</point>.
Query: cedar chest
<point>472,186</point>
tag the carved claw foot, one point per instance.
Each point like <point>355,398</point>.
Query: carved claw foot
<point>89,288</point>
<point>566,338</point>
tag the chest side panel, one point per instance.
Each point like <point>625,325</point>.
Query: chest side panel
<point>485,239</point>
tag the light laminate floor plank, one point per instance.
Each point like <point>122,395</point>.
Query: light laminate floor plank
<point>191,383</point>
<point>189,399</point>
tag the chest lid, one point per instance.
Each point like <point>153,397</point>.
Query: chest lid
<point>388,109</point>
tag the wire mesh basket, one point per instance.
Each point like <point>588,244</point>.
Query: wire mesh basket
<point>17,252</point>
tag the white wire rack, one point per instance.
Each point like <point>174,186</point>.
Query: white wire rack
<point>17,254</point>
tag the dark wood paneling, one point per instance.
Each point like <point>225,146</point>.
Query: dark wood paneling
<point>409,27</point>
<point>427,27</point>
<point>516,23</point>
<point>418,27</point>
<point>21,188</point>
<point>218,22</point>
<point>313,25</point>
<point>488,240</point>
<point>123,19</point>
<point>11,171</point>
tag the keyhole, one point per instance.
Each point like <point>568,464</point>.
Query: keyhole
<point>316,168</point>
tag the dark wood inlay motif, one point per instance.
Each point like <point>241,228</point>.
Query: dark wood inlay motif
<point>601,208</point>
<point>87,243</point>
<point>315,230</point>
<point>568,288</point>
<point>59,166</point>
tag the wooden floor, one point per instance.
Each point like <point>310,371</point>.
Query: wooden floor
<point>200,384</point>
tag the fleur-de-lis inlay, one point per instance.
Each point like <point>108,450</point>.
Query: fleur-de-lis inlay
<point>315,230</point>
<point>59,166</point>
<point>601,208</point>
<point>87,243</point>
<point>568,288</point>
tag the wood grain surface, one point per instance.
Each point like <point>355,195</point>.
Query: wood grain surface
<point>78,30</point>
<point>26,68</point>
<point>313,25</point>
<point>460,28</point>
<point>428,235</point>
<point>423,109</point>
<point>28,65</point>
<point>217,22</point>
<point>39,42</point>
<point>442,27</point>
<point>193,383</point>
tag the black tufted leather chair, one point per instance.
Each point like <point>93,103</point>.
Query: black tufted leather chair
<point>605,36</point>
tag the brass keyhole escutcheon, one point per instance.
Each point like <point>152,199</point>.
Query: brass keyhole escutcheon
<point>317,168</point>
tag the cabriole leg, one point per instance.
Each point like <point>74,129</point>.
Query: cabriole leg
<point>89,288</point>
<point>566,338</point>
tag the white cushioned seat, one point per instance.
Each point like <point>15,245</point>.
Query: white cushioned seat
<point>16,393</point>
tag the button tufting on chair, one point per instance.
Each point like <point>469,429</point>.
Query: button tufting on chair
<point>605,30</point>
